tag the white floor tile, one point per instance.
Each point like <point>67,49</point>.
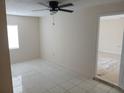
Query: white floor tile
<point>77,90</point>
<point>38,76</point>
<point>67,85</point>
<point>57,89</point>
<point>115,91</point>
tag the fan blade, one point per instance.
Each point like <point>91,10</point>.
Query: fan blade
<point>66,5</point>
<point>40,10</point>
<point>43,4</point>
<point>65,10</point>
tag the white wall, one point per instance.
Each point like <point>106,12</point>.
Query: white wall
<point>111,35</point>
<point>29,38</point>
<point>72,42</point>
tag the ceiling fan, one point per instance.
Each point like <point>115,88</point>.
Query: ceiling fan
<point>54,6</point>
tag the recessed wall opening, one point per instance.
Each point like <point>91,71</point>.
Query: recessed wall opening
<point>110,48</point>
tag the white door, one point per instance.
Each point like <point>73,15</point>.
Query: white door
<point>121,76</point>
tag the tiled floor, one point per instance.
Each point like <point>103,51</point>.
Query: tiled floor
<point>108,67</point>
<point>40,76</point>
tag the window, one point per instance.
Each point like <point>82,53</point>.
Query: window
<point>13,36</point>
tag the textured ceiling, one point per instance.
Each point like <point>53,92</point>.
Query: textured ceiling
<point>25,7</point>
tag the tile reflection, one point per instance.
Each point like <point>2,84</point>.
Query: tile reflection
<point>17,84</point>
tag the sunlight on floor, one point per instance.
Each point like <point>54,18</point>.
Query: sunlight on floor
<point>108,67</point>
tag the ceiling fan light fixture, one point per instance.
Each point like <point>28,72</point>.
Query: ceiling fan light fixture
<point>53,12</point>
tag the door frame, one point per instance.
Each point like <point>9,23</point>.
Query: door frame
<point>121,74</point>
<point>96,66</point>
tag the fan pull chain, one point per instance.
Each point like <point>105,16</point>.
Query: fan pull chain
<point>53,20</point>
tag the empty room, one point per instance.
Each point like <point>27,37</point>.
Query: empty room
<point>61,46</point>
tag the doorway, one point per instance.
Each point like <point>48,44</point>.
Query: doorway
<point>110,48</point>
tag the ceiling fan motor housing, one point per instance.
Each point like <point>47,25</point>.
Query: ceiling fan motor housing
<point>53,6</point>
